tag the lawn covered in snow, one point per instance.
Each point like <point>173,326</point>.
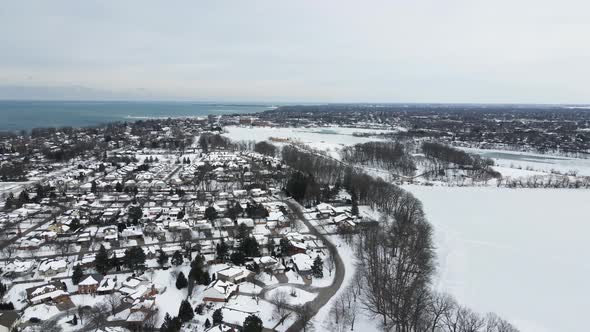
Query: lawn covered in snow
<point>520,253</point>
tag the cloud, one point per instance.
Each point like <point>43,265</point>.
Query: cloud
<point>406,51</point>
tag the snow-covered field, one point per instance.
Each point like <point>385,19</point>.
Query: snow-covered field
<point>520,253</point>
<point>538,163</point>
<point>330,139</point>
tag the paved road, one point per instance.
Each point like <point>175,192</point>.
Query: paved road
<point>326,293</point>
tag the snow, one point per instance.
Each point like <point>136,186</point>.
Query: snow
<point>330,139</point>
<point>520,253</point>
<point>301,296</point>
<point>534,161</point>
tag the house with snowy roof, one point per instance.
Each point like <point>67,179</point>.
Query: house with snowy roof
<point>89,284</point>
<point>220,291</point>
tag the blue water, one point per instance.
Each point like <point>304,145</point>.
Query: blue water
<point>18,115</point>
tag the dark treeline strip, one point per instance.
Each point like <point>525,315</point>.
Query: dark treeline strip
<point>387,155</point>
<point>445,155</point>
<point>210,141</point>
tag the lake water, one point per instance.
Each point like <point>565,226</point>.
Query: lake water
<point>17,115</point>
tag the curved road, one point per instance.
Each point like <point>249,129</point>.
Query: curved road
<point>326,293</point>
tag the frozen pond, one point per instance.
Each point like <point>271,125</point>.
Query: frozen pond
<point>520,253</point>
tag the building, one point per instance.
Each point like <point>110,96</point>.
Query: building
<point>219,291</point>
<point>8,320</point>
<point>302,263</point>
<point>234,274</point>
<point>89,284</point>
<point>51,292</point>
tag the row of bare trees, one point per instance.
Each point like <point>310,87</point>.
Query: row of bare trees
<point>396,259</point>
<point>391,156</point>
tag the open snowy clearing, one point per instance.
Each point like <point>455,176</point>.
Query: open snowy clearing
<point>520,253</point>
<point>534,161</point>
<point>330,139</point>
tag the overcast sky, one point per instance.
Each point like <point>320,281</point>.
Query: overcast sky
<point>501,51</point>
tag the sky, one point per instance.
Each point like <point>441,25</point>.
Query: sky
<point>447,51</point>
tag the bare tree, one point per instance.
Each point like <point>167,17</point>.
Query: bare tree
<point>329,263</point>
<point>113,301</point>
<point>151,319</point>
<point>8,251</point>
<point>439,306</point>
<point>97,316</point>
<point>279,300</point>
<point>305,315</point>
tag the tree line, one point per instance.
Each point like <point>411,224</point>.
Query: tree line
<point>391,156</point>
<point>396,256</point>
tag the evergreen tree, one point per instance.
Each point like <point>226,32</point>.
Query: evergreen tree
<point>250,247</point>
<point>217,317</point>
<point>284,244</point>
<point>162,258</point>
<point>177,258</point>
<point>243,231</point>
<point>205,279</point>
<point>207,323</point>
<point>134,258</point>
<point>196,269</point>
<point>355,205</point>
<point>101,261</point>
<point>77,274</point>
<point>222,250</point>
<point>238,258</point>
<point>181,281</point>
<point>185,313</point>
<point>167,325</point>
<point>252,323</point>
<point>119,187</point>
<point>210,213</point>
<point>317,269</point>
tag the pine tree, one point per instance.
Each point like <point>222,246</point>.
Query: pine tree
<point>205,279</point>
<point>217,317</point>
<point>177,258</point>
<point>181,281</point>
<point>167,325</point>
<point>101,261</point>
<point>252,323</point>
<point>185,313</point>
<point>77,274</point>
<point>221,249</point>
<point>317,269</point>
<point>134,258</point>
<point>207,323</point>
<point>196,268</point>
<point>162,258</point>
<point>355,206</point>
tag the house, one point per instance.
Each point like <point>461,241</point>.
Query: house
<point>222,328</point>
<point>54,291</point>
<point>234,274</point>
<point>52,267</point>
<point>19,268</point>
<point>106,286</point>
<point>302,263</point>
<point>219,291</point>
<point>89,284</point>
<point>8,319</point>
<point>135,288</point>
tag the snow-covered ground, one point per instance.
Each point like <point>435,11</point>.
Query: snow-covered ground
<point>520,253</point>
<point>533,162</point>
<point>330,139</point>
